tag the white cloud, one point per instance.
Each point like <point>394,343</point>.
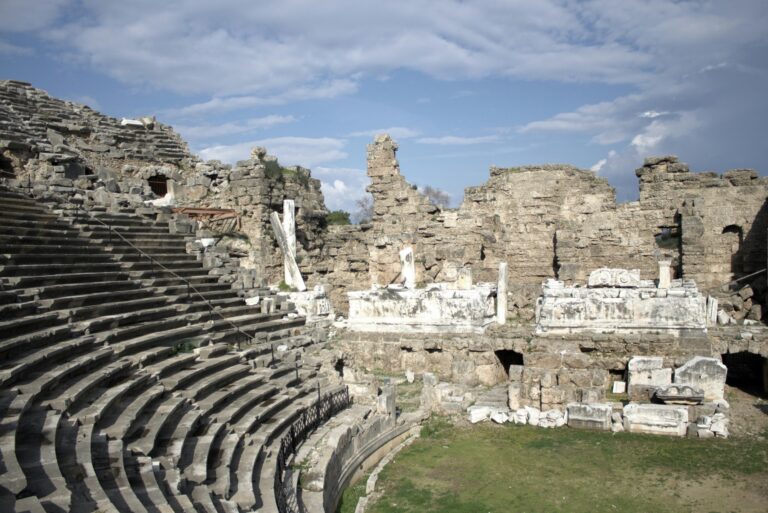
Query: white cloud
<point>235,48</point>
<point>342,187</point>
<point>11,49</point>
<point>231,103</point>
<point>650,114</point>
<point>303,151</point>
<point>452,140</point>
<point>206,131</point>
<point>23,15</point>
<point>396,132</point>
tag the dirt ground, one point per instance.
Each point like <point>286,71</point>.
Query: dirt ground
<point>749,413</point>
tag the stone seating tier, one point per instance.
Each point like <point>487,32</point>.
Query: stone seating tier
<point>99,409</point>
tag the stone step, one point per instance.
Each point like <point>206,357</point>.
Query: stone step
<point>16,240</point>
<point>29,216</point>
<point>16,310</point>
<point>13,348</point>
<point>136,256</point>
<point>37,456</point>
<point>20,282</point>
<point>151,273</point>
<point>98,298</point>
<point>165,338</point>
<point>32,364</point>
<point>198,371</point>
<point>82,247</point>
<point>115,321</point>
<point>14,328</point>
<point>120,473</point>
<point>167,415</point>
<point>59,259</point>
<point>51,268</point>
<point>115,307</point>
<point>102,233</point>
<point>66,290</point>
<point>37,381</point>
<point>81,387</point>
<point>111,396</point>
<point>132,409</point>
<point>164,502</point>
<point>146,327</point>
<point>47,231</point>
<point>21,205</point>
<point>93,227</point>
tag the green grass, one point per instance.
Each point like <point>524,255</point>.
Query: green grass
<point>491,468</point>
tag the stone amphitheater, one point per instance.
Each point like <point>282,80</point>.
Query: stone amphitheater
<point>169,343</point>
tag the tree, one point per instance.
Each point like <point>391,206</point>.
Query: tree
<point>337,217</point>
<point>364,212</point>
<point>437,196</point>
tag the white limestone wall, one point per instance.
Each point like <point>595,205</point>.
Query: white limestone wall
<point>435,309</point>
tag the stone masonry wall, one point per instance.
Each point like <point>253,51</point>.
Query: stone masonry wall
<point>559,221</point>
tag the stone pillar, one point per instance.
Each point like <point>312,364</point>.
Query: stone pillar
<point>289,227</point>
<point>501,295</point>
<point>282,241</point>
<point>408,269</point>
<point>665,274</point>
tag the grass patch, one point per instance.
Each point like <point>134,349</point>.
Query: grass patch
<point>490,468</point>
<point>348,501</point>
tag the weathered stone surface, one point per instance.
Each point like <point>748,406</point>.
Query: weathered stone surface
<point>680,394</point>
<point>589,416</point>
<point>705,373</point>
<point>658,419</point>
<point>633,305</point>
<point>435,309</point>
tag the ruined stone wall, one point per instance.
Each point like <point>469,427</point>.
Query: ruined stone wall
<point>722,219</point>
<point>559,221</point>
<point>34,124</point>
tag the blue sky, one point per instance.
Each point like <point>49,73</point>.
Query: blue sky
<point>460,85</point>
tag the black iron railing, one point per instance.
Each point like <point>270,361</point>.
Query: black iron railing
<point>309,419</point>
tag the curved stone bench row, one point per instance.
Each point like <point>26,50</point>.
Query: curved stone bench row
<point>98,410</point>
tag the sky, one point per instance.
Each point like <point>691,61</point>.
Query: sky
<point>460,85</point>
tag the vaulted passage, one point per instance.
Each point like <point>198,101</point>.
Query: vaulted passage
<point>747,371</point>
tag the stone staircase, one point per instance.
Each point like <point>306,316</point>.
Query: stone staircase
<point>123,390</point>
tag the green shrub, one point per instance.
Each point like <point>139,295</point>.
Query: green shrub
<point>338,217</point>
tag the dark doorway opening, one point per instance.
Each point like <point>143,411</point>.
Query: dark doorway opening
<point>746,371</point>
<point>339,367</point>
<point>507,358</point>
<point>6,168</point>
<point>158,184</point>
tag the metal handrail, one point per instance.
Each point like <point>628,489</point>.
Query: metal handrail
<point>308,420</point>
<point>736,280</point>
<point>152,261</point>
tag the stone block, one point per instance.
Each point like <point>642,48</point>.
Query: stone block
<point>533,415</point>
<point>705,373</point>
<point>514,395</point>
<point>516,372</point>
<point>479,413</point>
<point>657,419</point>
<point>619,387</point>
<point>645,375</point>
<point>589,416</point>
<point>500,416</point>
